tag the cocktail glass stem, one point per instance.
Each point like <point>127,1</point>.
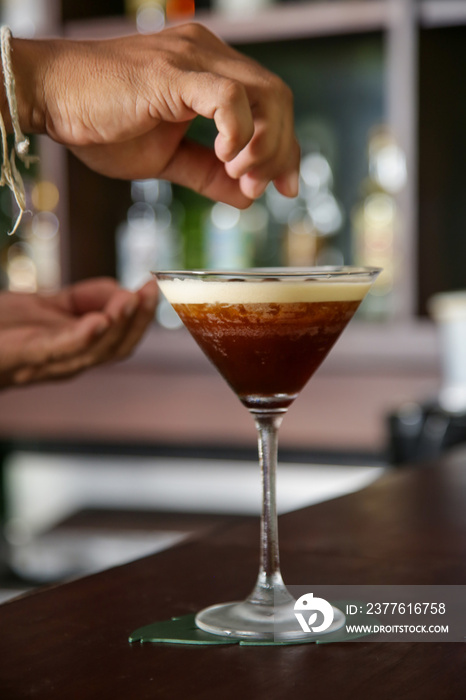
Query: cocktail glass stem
<point>269,589</point>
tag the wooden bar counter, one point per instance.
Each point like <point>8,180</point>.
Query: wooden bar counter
<point>70,641</point>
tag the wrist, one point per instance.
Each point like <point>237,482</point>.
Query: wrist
<point>28,60</point>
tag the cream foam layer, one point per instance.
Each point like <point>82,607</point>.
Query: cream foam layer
<point>197,291</point>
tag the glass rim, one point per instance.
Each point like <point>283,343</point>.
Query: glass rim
<point>321,273</point>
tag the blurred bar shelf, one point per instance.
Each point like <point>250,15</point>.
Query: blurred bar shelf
<point>442,13</point>
<point>278,22</point>
<point>294,20</point>
<point>169,394</point>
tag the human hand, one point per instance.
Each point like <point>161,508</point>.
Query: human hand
<point>57,336</point>
<point>123,106</point>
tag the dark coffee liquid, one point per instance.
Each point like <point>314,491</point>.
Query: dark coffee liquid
<point>267,352</point>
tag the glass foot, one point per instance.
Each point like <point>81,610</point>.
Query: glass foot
<point>246,620</point>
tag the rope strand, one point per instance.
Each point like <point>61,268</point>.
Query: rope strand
<point>10,174</point>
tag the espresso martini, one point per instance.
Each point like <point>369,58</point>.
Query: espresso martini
<point>266,331</point>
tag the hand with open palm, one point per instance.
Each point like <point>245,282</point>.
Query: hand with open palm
<point>46,337</point>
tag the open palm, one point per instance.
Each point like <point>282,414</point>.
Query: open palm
<point>57,336</point>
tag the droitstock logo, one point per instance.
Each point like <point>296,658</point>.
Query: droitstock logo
<point>308,604</point>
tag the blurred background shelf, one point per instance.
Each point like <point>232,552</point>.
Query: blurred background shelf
<point>169,394</point>
<point>274,23</point>
<point>442,13</point>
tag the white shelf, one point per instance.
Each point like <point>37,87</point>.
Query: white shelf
<point>301,20</point>
<point>442,13</point>
<point>293,21</point>
<point>289,21</point>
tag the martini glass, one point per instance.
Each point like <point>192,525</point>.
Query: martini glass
<point>266,331</point>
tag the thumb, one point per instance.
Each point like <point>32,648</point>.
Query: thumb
<point>198,168</point>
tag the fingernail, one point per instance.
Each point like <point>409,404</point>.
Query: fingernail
<point>255,189</point>
<point>130,308</point>
<point>292,184</point>
<point>150,303</point>
<point>260,189</point>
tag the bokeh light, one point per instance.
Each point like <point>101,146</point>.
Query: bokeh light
<point>21,270</point>
<point>45,196</point>
<point>150,18</point>
<point>179,9</point>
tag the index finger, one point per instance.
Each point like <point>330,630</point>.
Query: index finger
<point>224,100</point>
